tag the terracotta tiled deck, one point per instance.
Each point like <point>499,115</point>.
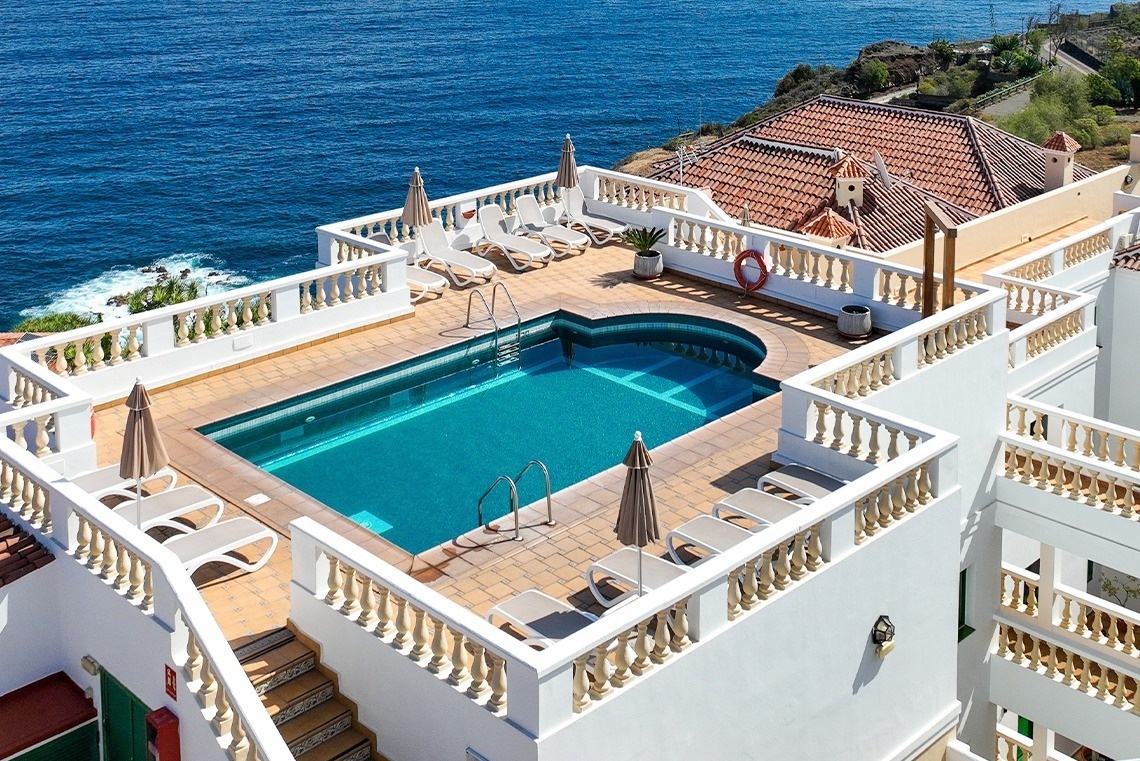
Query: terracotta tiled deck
<point>689,473</point>
<point>975,271</point>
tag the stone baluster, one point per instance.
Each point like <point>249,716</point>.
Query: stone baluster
<point>498,684</point>
<point>403,636</point>
<point>421,635</point>
<point>460,658</point>
<point>581,697</point>
<point>439,662</point>
<point>479,672</point>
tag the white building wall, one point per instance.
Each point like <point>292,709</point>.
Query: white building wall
<point>29,635</point>
<point>796,678</point>
<point>1123,348</point>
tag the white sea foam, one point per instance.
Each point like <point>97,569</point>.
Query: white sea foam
<point>91,296</point>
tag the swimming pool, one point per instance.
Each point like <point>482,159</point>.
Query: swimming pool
<point>406,452</point>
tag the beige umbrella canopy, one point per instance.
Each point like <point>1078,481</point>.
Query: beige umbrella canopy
<point>637,513</point>
<point>567,166</point>
<point>416,212</point>
<point>143,451</point>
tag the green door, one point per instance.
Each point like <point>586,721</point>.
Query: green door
<point>124,725</point>
<point>80,744</point>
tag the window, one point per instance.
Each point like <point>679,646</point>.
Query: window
<point>964,629</point>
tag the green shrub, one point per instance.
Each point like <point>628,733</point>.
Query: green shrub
<point>872,75</point>
<point>1102,91</point>
<point>1115,134</point>
<point>164,293</point>
<point>943,50</point>
<point>802,73</point>
<point>57,322</point>
<point>1104,115</point>
<point>1086,132</point>
<point>1005,42</point>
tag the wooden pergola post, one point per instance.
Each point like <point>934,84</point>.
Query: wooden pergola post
<point>936,219</point>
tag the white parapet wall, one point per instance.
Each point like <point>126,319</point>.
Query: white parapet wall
<point>771,623</point>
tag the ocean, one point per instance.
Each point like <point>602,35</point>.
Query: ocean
<point>214,136</point>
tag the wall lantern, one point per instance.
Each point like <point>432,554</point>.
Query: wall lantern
<point>90,665</point>
<point>883,635</point>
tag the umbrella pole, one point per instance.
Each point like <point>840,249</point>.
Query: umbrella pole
<point>639,587</point>
<point>138,503</point>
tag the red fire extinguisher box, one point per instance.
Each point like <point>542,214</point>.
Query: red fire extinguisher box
<point>162,736</point>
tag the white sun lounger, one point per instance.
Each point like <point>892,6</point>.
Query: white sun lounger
<point>621,566</point>
<point>600,229</point>
<point>522,252</point>
<point>214,543</point>
<point>707,533</point>
<point>106,482</point>
<point>421,281</point>
<point>543,619</point>
<point>162,509</point>
<point>801,481</point>
<point>531,222</point>
<point>759,507</point>
<point>461,266</point>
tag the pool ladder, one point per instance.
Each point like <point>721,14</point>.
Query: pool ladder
<point>506,352</point>
<point>512,484</point>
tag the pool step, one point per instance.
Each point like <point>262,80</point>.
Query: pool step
<point>316,722</point>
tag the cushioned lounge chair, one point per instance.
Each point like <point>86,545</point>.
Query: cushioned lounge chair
<point>164,508</point>
<point>712,535</point>
<point>462,267</point>
<point>521,252</point>
<point>106,482</point>
<point>421,281</point>
<point>214,543</point>
<point>759,507</point>
<point>532,223</point>
<point>600,229</point>
<point>800,481</point>
<point>621,566</point>
<point>543,619</point>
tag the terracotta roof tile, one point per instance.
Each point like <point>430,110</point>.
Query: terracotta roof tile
<point>41,710</point>
<point>20,552</point>
<point>828,224</point>
<point>1062,143</point>
<point>786,186</point>
<point>1128,259</point>
<point>848,167</point>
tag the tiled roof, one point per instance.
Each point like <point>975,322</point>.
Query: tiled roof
<point>787,186</point>
<point>20,552</point>
<point>828,224</point>
<point>1128,259</point>
<point>848,167</point>
<point>1062,143</point>
<point>958,158</point>
<point>42,710</point>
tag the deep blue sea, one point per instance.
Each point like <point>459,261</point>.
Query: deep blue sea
<point>216,135</point>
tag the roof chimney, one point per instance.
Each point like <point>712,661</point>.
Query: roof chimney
<point>849,178</point>
<point>1059,152</point>
<point>829,228</point>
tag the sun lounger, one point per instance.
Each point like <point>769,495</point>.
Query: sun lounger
<point>421,281</point>
<point>106,482</point>
<point>543,619</point>
<point>522,252</point>
<point>214,543</point>
<point>162,509</point>
<point>621,566</point>
<point>759,507</point>
<point>531,222</point>
<point>712,535</point>
<point>461,266</point>
<point>803,482</point>
<point>600,229</point>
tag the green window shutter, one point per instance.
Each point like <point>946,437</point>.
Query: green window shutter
<point>79,744</point>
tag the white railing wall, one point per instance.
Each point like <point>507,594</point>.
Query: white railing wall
<point>112,559</point>
<point>196,337</point>
<point>439,658</point>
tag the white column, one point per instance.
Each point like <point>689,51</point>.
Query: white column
<point>1042,741</point>
<point>1045,594</point>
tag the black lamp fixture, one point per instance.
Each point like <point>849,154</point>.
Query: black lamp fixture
<point>883,635</point>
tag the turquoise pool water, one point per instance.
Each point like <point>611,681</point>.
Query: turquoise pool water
<point>408,452</point>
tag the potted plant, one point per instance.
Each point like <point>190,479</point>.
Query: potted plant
<point>647,263</point>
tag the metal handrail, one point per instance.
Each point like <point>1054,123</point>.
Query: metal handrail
<point>490,313</point>
<point>546,475</point>
<point>514,503</point>
<point>515,309</point>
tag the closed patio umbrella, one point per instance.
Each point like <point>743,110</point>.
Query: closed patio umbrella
<point>637,513</point>
<point>416,212</point>
<point>143,451</point>
<point>567,166</point>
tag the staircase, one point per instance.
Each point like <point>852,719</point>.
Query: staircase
<point>315,721</point>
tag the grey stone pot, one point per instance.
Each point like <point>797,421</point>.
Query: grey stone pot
<point>854,321</point>
<point>647,265</point>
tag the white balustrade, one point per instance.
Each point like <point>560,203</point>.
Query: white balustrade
<point>1037,337</point>
<point>1061,662</point>
<point>879,509</point>
<point>629,193</point>
<point>1019,590</point>
<point>1083,480</point>
<point>1080,434</point>
<point>1012,746</point>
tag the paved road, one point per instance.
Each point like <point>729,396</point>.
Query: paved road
<point>1015,103</point>
<point>1069,62</point>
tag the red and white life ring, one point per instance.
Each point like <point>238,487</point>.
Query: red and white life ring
<point>738,270</point>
